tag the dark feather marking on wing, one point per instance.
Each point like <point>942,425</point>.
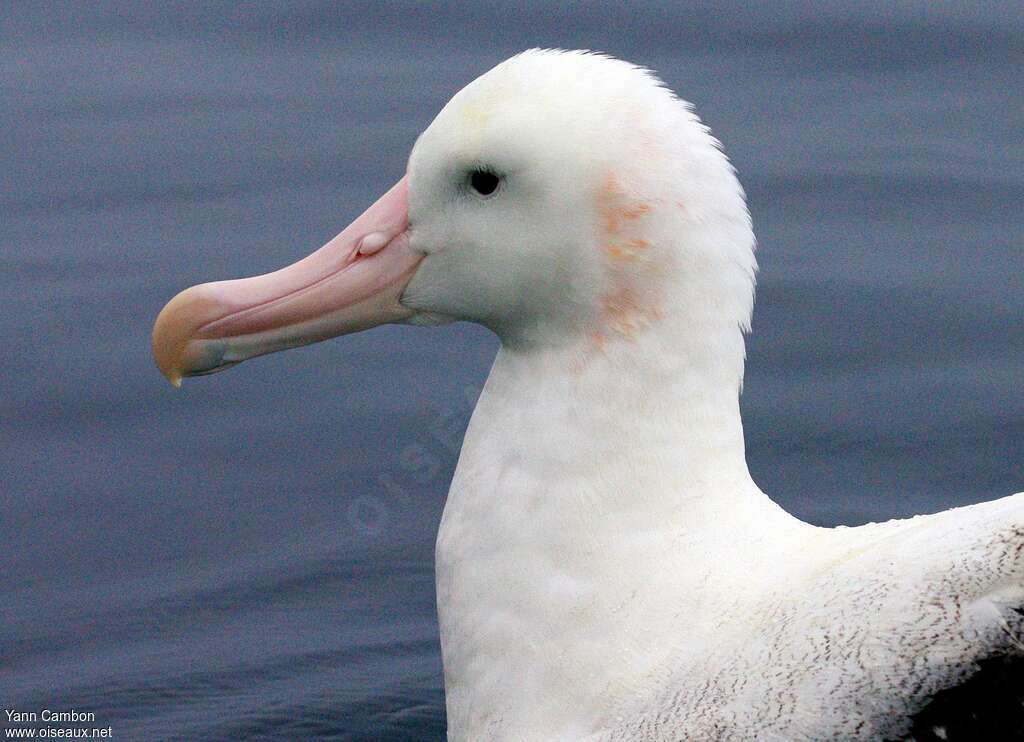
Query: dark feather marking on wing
<point>989,705</point>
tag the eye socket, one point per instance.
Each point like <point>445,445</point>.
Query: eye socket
<point>484,182</point>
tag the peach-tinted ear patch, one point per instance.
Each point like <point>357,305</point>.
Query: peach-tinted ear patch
<point>615,208</point>
<point>627,306</point>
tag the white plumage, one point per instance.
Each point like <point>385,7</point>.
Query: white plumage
<point>606,566</point>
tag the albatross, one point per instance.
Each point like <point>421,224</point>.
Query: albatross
<point>606,567</point>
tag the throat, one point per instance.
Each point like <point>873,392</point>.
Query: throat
<point>596,491</point>
<point>636,426</point>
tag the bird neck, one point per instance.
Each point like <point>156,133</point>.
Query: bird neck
<point>659,409</point>
<point>598,494</point>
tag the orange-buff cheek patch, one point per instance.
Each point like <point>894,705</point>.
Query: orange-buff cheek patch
<point>621,218</point>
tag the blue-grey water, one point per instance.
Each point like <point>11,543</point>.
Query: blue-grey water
<point>251,557</point>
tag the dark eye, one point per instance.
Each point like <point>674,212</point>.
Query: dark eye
<point>484,182</point>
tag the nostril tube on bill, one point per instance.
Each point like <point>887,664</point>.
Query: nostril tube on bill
<point>373,243</point>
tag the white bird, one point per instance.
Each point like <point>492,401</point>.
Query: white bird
<point>606,567</point>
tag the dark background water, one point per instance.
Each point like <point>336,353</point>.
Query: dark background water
<point>251,556</point>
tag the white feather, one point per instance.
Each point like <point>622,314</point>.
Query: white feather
<point>606,567</point>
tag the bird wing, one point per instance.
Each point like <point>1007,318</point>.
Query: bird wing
<point>903,628</point>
